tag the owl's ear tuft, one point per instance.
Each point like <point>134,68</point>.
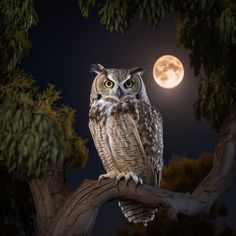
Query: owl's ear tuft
<point>98,68</point>
<point>137,70</point>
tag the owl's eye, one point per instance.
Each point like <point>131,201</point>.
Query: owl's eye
<point>108,84</point>
<point>128,84</point>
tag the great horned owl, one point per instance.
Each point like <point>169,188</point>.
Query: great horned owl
<point>127,132</point>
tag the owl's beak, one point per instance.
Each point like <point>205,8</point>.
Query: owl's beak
<point>119,92</point>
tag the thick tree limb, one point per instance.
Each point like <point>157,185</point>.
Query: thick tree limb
<point>49,194</point>
<point>222,174</point>
<point>78,214</point>
<point>78,211</point>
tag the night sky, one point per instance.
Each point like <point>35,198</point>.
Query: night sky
<point>65,45</point>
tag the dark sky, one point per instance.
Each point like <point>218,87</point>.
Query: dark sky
<point>64,47</point>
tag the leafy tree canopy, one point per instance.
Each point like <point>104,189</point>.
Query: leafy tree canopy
<point>207,28</point>
<point>35,134</point>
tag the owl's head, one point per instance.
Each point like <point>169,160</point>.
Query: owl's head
<point>118,84</point>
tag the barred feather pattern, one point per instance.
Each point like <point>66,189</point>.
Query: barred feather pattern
<point>128,137</point>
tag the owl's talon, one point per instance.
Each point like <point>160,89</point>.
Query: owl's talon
<point>136,179</point>
<point>108,175</point>
<point>100,178</point>
<point>140,180</point>
<point>119,177</point>
<point>129,176</point>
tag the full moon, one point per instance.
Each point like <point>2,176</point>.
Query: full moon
<point>168,71</point>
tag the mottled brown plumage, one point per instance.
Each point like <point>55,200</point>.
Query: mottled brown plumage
<point>127,132</point>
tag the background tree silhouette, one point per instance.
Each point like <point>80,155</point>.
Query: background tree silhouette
<point>37,138</point>
<point>17,215</point>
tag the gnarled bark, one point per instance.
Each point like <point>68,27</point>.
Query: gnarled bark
<point>49,194</point>
<point>222,174</point>
<point>60,213</point>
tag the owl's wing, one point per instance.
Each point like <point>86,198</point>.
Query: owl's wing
<point>135,140</point>
<point>125,146</point>
<point>118,143</point>
<point>150,130</point>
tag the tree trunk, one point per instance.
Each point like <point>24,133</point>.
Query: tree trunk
<point>49,194</point>
<point>221,176</point>
<point>60,213</point>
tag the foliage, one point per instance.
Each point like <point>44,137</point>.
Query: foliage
<point>30,141</point>
<point>84,6</point>
<point>119,12</point>
<point>207,28</point>
<point>16,17</point>
<point>154,11</point>
<point>214,51</point>
<point>116,15</point>
<point>214,95</point>
<point>35,134</point>
<point>183,174</point>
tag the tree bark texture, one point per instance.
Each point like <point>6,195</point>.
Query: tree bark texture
<point>62,213</point>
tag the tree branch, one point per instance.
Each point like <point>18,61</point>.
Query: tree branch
<point>222,174</point>
<point>49,194</point>
<point>78,213</point>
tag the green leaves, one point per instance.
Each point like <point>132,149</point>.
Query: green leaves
<point>216,97</point>
<point>31,142</point>
<point>207,28</point>
<point>116,15</point>
<point>84,6</point>
<point>17,15</point>
<point>209,32</point>
<point>49,96</point>
<point>19,86</point>
<point>184,174</point>
<point>198,34</point>
<point>206,5</point>
<point>154,11</point>
<point>75,147</point>
<point>226,24</point>
<point>35,135</point>
<point>16,18</point>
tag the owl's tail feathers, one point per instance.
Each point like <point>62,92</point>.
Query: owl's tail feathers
<point>137,212</point>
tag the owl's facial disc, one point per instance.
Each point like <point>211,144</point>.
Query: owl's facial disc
<point>119,92</point>
<point>118,88</point>
<point>131,85</point>
<point>105,86</point>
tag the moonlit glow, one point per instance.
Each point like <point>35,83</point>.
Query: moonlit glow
<point>168,71</point>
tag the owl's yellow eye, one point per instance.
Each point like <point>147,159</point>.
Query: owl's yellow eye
<point>129,84</point>
<point>108,84</point>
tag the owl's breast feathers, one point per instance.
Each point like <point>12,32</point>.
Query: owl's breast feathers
<point>130,134</point>
<point>128,137</point>
<point>109,107</point>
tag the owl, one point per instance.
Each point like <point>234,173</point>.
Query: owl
<point>127,132</point>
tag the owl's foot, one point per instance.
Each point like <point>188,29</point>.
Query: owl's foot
<point>129,176</point>
<point>109,175</point>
